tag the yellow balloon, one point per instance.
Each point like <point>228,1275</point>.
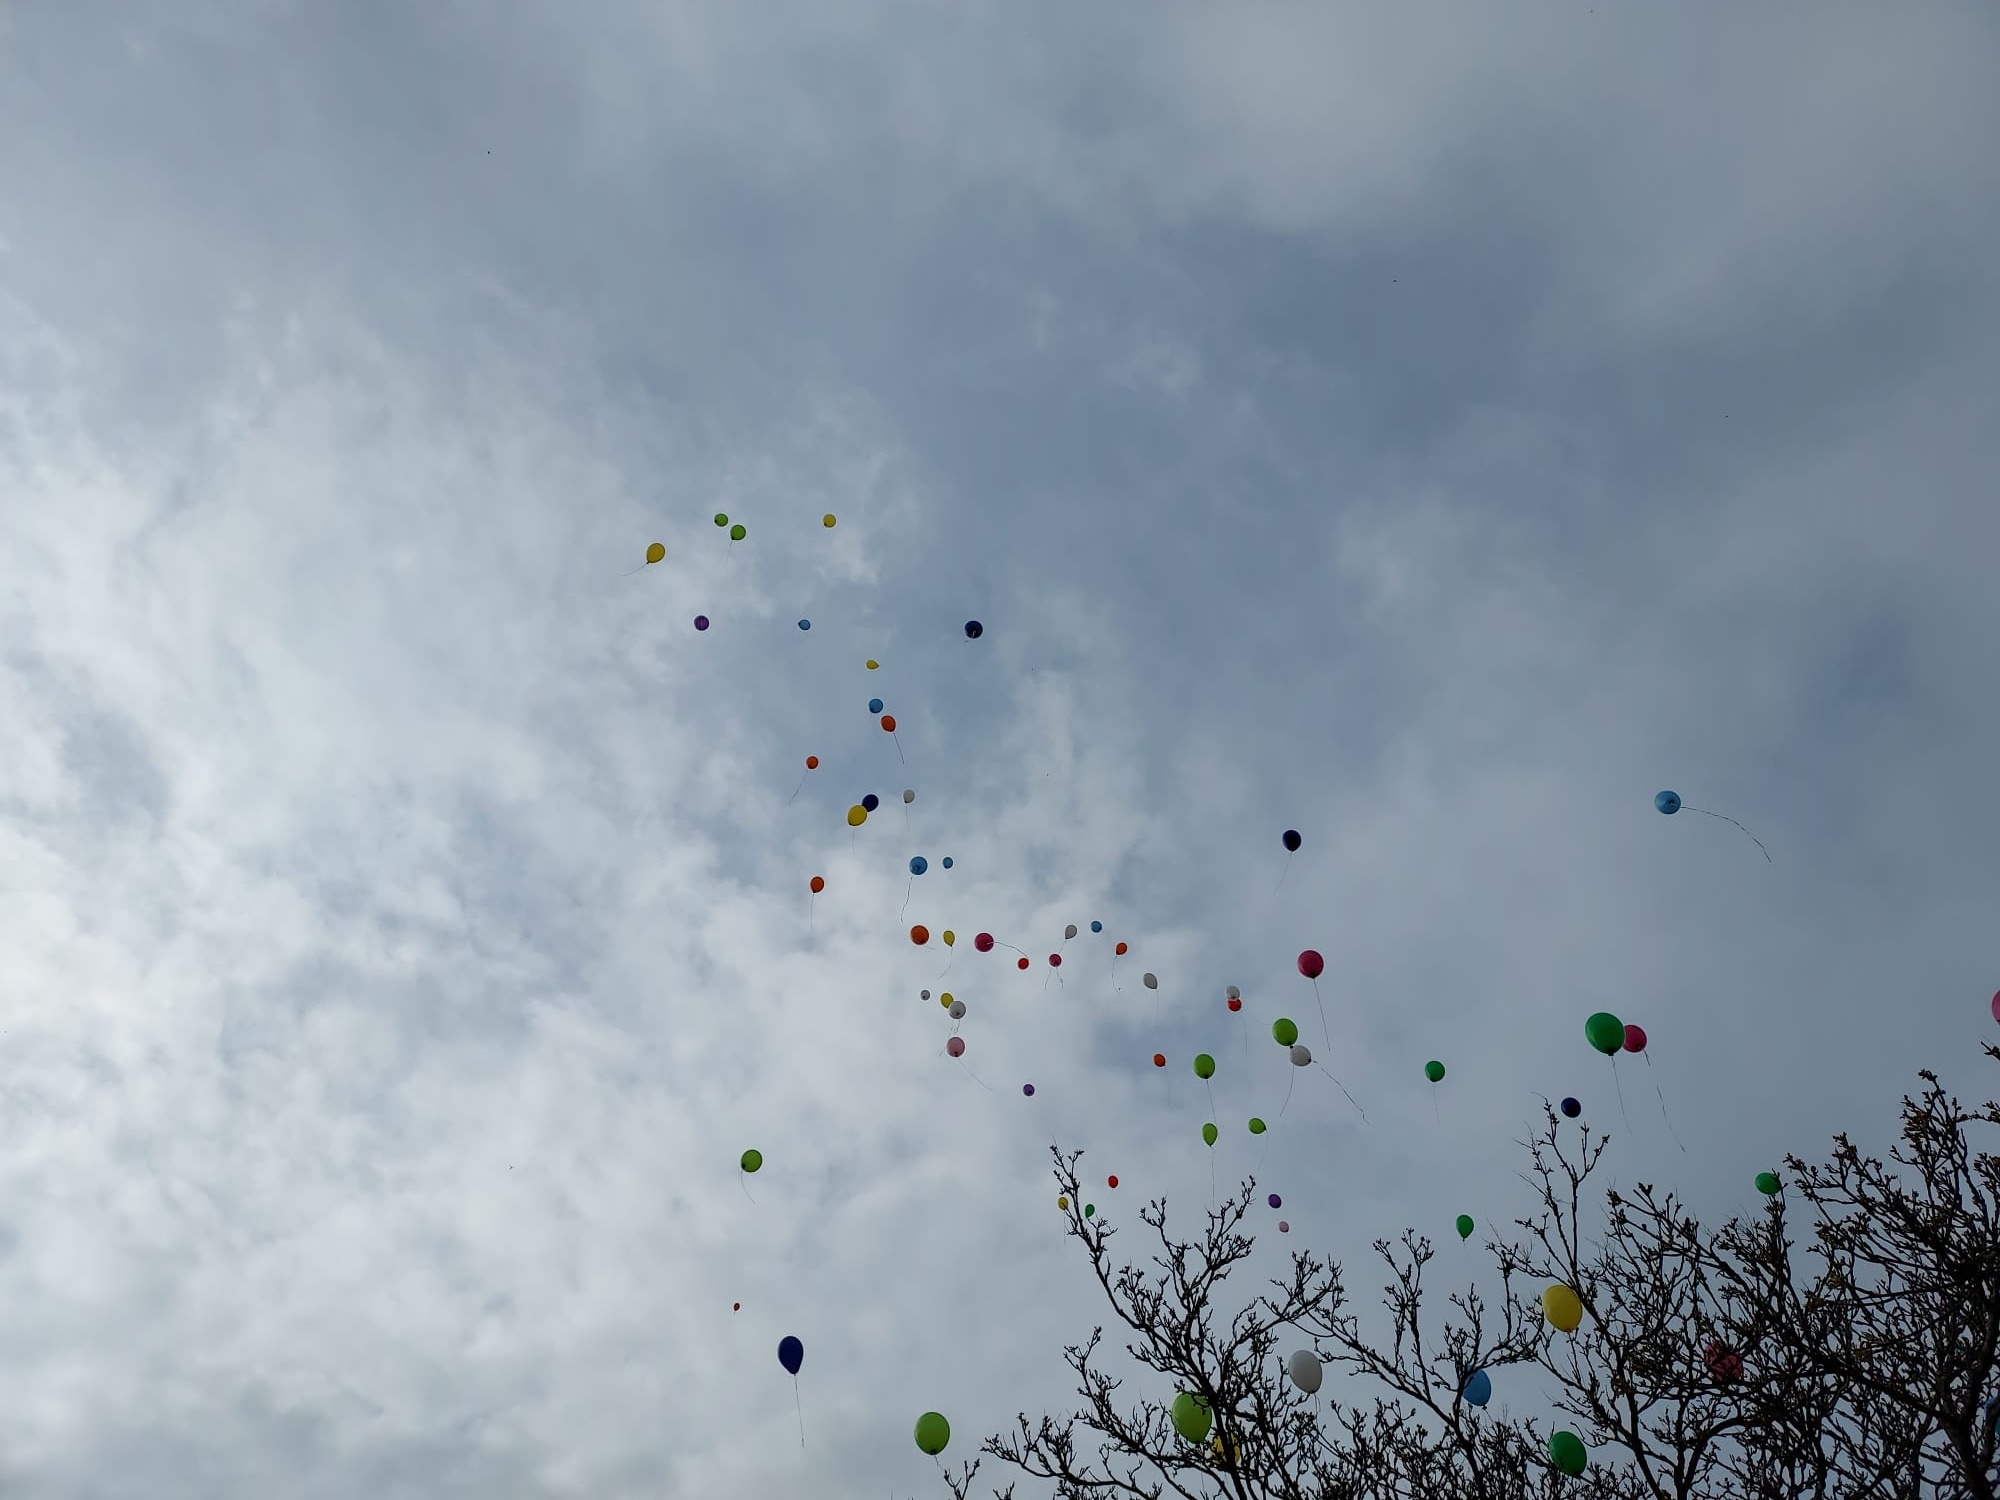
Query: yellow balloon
<point>655,552</point>
<point>1235,1450</point>
<point>873,664</point>
<point>945,999</point>
<point>827,520</point>
<point>856,815</point>
<point>950,937</point>
<point>1062,1200</point>
<point>1562,1307</point>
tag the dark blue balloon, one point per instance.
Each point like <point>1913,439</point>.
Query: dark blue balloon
<point>947,861</point>
<point>1292,840</point>
<point>1097,927</point>
<point>918,865</point>
<point>1571,1108</point>
<point>791,1354</point>
<point>1668,803</point>
<point>974,630</point>
<point>1478,1388</point>
<point>871,802</point>
<point>874,705</point>
<point>805,624</point>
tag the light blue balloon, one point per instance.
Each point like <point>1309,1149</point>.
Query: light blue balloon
<point>917,865</point>
<point>1668,803</point>
<point>874,705</point>
<point>1478,1389</point>
<point>805,624</point>
<point>1097,927</point>
<point>947,861</point>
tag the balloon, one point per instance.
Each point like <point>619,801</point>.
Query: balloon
<point>871,664</point>
<point>1257,1126</point>
<point>945,1000</point>
<point>1069,931</point>
<point>1292,840</point>
<point>1635,1038</point>
<point>655,552</point>
<point>738,532</point>
<point>1209,1133</point>
<point>950,937</point>
<point>1767,1184</point>
<point>925,995</point>
<point>1099,927</point>
<point>1605,1032</point>
<point>721,519</point>
<point>818,884</point>
<point>984,942</point>
<point>909,795</point>
<point>1055,960</point>
<point>1464,1226</point>
<point>856,815</point>
<point>1562,1307</point>
<point>1284,1031</point>
<point>1111,1182</point>
<point>871,802</point>
<point>1276,1202</point>
<point>791,1354</point>
<point>1283,1227</point>
<point>1478,1388</point>
<point>1159,1059</point>
<point>956,1046</point>
<point>1434,1071</point>
<point>1233,993</point>
<point>947,861</point>
<point>888,723</point>
<point>805,624</point>
<point>1235,1450</point>
<point>751,1161</point>
<point>1572,1108</point>
<point>1090,1210</point>
<point>812,762</point>
<point>701,622</point>
<point>1022,963</point>
<point>1028,1089</point>
<point>874,705</point>
<point>1566,1451</point>
<point>1150,981</point>
<point>1668,802</point>
<point>1234,1005</point>
<point>957,1009</point>
<point>736,1307</point>
<point>1204,1066</point>
<point>1062,1200</point>
<point>1119,950</point>
<point>1311,964</point>
<point>933,1431</point>
<point>920,934</point>
<point>1996,1005</point>
<point>827,520</point>
<point>1306,1371</point>
<point>1191,1416</point>
<point>1724,1363</point>
<point>974,630</point>
<point>918,864</point>
<point>1302,1055</point>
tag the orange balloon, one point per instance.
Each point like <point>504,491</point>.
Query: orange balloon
<point>1120,948</point>
<point>818,884</point>
<point>812,762</point>
<point>1159,1059</point>
<point>889,723</point>
<point>920,934</point>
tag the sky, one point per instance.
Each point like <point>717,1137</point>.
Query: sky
<point>1436,438</point>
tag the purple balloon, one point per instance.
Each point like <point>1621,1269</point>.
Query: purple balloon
<point>701,622</point>
<point>1276,1202</point>
<point>1283,1227</point>
<point>791,1354</point>
<point>1028,1089</point>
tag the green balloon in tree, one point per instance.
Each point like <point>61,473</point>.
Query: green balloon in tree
<point>1434,1071</point>
<point>1605,1032</point>
<point>1767,1184</point>
<point>1566,1452</point>
<point>1284,1032</point>
<point>1191,1416</point>
<point>933,1432</point>
<point>1465,1226</point>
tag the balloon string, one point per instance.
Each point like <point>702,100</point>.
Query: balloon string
<point>1282,874</point>
<point>797,789</point>
<point>1621,1093</point>
<point>744,1183</point>
<point>974,1076</point>
<point>800,1408</point>
<point>1211,1095</point>
<point>906,898</point>
<point>1322,1015</point>
<point>1343,1088</point>
<point>899,747</point>
<point>1663,1106</point>
<point>1290,1079</point>
<point>1727,819</point>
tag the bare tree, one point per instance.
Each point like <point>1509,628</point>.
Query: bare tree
<point>1707,1364</point>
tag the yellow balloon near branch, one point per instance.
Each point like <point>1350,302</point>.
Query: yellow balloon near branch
<point>1562,1307</point>
<point>655,552</point>
<point>1063,1201</point>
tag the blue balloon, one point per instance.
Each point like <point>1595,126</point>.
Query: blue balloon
<point>1478,1389</point>
<point>791,1354</point>
<point>947,861</point>
<point>874,705</point>
<point>805,624</point>
<point>918,865</point>
<point>1668,803</point>
<point>974,630</point>
<point>1097,927</point>
<point>871,802</point>
<point>1571,1108</point>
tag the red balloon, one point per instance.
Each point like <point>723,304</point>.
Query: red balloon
<point>1724,1363</point>
<point>1055,960</point>
<point>956,1046</point>
<point>1635,1039</point>
<point>1022,964</point>
<point>812,764</point>
<point>920,934</point>
<point>1235,1004</point>
<point>984,942</point>
<point>1311,964</point>
<point>889,723</point>
<point>1159,1059</point>
<point>1120,951</point>
<point>1111,1182</point>
<point>818,884</point>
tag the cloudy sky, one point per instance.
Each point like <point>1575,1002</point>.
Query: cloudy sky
<point>1436,435</point>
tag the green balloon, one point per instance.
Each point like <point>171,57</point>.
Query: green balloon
<point>1284,1032</point>
<point>1434,1070</point>
<point>1257,1126</point>
<point>752,1160</point>
<point>1605,1032</point>
<point>740,531</point>
<point>1465,1226</point>
<point>1204,1066</point>
<point>933,1432</point>
<point>721,519</point>
<point>1767,1184</point>
<point>1209,1132</point>
<point>1191,1416</point>
<point>1566,1450</point>
<point>1090,1210</point>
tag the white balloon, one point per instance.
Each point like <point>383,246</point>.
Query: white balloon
<point>1152,981</point>
<point>1306,1371</point>
<point>1233,993</point>
<point>1070,931</point>
<point>958,1010</point>
<point>926,994</point>
<point>1302,1055</point>
<point>909,795</point>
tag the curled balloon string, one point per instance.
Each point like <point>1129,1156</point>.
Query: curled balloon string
<point>906,897</point>
<point>1663,1106</point>
<point>744,1183</point>
<point>1727,819</point>
<point>1343,1088</point>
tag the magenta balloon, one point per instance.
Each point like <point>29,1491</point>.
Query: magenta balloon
<point>1996,1005</point>
<point>1635,1038</point>
<point>956,1046</point>
<point>1311,964</point>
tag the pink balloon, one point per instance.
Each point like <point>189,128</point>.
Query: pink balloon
<point>1996,1005</point>
<point>1283,1227</point>
<point>956,1046</point>
<point>1311,964</point>
<point>1635,1039</point>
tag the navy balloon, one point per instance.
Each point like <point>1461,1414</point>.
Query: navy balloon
<point>874,705</point>
<point>791,1354</point>
<point>974,630</point>
<point>1292,840</point>
<point>918,865</point>
<point>871,802</point>
<point>1668,803</point>
<point>1097,927</point>
<point>805,624</point>
<point>1571,1108</point>
<point>947,861</point>
<point>1478,1388</point>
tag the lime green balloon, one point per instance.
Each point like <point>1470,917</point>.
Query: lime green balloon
<point>1209,1132</point>
<point>721,519</point>
<point>1257,1126</point>
<point>933,1432</point>
<point>1090,1210</point>
<point>1434,1070</point>
<point>740,531</point>
<point>1605,1032</point>
<point>752,1160</point>
<point>1767,1184</point>
<point>1465,1226</point>
<point>1566,1451</point>
<point>1204,1066</point>
<point>1191,1416</point>
<point>1284,1032</point>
